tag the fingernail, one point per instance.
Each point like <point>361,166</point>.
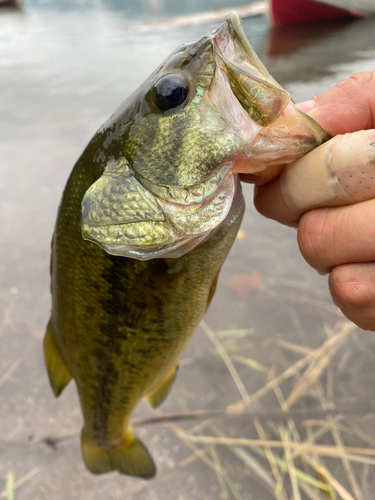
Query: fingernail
<point>306,106</point>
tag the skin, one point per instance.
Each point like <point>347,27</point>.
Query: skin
<point>338,241</point>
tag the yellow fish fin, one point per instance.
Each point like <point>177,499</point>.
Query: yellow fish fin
<point>58,373</point>
<point>212,290</point>
<point>130,457</point>
<point>157,395</point>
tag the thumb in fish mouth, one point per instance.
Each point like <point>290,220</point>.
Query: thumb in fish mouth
<point>340,170</point>
<point>262,113</point>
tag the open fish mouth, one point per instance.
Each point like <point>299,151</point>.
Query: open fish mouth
<point>263,115</point>
<point>258,93</point>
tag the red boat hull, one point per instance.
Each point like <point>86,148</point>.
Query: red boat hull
<point>303,11</point>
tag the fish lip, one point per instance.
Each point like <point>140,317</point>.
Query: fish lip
<point>232,26</point>
<point>262,98</point>
<point>230,31</point>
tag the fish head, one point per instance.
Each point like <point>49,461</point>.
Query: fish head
<point>210,111</point>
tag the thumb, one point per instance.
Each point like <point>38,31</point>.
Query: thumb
<point>347,107</point>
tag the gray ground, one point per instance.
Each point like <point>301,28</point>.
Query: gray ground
<point>62,73</point>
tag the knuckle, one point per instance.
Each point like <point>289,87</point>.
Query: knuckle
<point>366,320</point>
<point>365,323</point>
<point>349,288</point>
<point>363,78</point>
<point>360,89</point>
<point>312,239</point>
<point>357,83</point>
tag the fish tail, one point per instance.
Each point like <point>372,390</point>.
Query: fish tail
<point>58,373</point>
<point>129,457</point>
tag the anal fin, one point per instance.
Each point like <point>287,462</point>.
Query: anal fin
<point>158,395</point>
<point>58,373</point>
<point>129,457</point>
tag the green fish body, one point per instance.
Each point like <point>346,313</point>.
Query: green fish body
<point>147,218</point>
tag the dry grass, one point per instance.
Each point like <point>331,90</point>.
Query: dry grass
<point>12,485</point>
<point>9,373</point>
<point>288,457</point>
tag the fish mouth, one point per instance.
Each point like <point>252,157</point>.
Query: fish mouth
<point>260,111</point>
<point>258,93</point>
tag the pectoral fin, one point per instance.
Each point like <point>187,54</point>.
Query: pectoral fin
<point>157,396</point>
<point>58,373</point>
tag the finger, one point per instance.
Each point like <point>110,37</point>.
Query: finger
<point>352,287</point>
<point>347,107</point>
<point>269,201</point>
<point>340,172</point>
<point>266,175</point>
<point>331,237</point>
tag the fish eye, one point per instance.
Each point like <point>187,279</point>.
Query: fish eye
<point>171,91</point>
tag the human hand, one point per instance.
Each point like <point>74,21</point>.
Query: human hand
<point>338,240</point>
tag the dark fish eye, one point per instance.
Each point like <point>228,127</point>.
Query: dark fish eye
<point>171,91</point>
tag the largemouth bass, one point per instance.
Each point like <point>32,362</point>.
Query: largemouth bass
<point>147,218</point>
